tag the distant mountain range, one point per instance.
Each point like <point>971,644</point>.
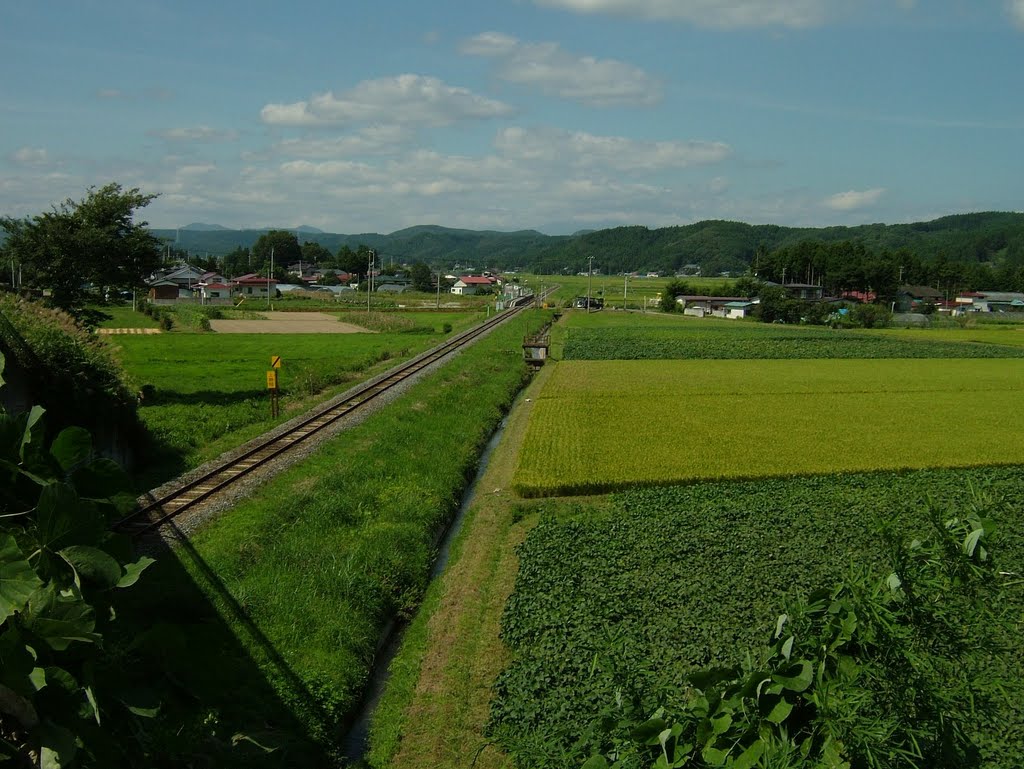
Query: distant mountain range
<point>716,246</point>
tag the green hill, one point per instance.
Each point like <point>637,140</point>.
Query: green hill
<point>717,246</point>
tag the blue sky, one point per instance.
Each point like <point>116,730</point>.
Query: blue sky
<point>555,115</point>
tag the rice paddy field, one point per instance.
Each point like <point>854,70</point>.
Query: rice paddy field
<point>600,426</point>
<point>687,481</point>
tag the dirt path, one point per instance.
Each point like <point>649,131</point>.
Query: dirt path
<point>442,726</point>
<point>288,323</point>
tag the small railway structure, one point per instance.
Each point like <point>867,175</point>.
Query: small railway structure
<point>225,474</point>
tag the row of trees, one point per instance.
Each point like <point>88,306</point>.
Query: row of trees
<point>851,265</point>
<point>82,248</point>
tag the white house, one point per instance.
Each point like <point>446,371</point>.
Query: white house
<point>254,286</point>
<point>471,284</point>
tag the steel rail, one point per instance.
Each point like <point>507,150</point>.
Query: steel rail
<point>189,494</point>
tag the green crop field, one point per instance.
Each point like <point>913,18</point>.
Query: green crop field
<point>624,337</point>
<point>623,604</point>
<point>604,425</point>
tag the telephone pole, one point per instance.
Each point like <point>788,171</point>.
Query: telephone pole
<point>590,279</point>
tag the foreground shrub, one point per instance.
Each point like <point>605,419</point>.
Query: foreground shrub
<point>60,567</point>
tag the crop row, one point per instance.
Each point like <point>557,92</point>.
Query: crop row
<point>627,601</point>
<point>745,340</point>
<point>602,426</point>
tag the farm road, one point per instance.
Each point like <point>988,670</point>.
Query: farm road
<point>288,323</point>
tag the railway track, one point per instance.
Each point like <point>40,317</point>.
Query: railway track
<point>224,475</point>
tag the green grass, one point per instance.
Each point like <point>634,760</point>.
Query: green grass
<point>601,425</point>
<point>674,579</point>
<point>609,287</point>
<point>307,574</point>
<point>123,316</point>
<point>206,393</point>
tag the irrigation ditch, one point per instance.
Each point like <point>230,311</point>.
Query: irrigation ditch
<point>354,743</point>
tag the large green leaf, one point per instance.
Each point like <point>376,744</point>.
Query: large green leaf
<point>749,757</point>
<point>72,447</point>
<point>33,429</point>
<point>16,662</point>
<point>132,571</point>
<point>101,479</point>
<point>797,677</point>
<point>58,746</point>
<point>18,580</point>
<point>59,620</point>
<point>64,520</point>
<point>93,565</point>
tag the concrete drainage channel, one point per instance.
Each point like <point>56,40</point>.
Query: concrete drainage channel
<point>355,742</point>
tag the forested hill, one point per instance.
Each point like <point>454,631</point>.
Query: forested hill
<point>716,246</point>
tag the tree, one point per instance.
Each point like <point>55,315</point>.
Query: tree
<point>421,279</point>
<point>315,253</point>
<point>283,244</point>
<point>672,289</point>
<point>81,248</point>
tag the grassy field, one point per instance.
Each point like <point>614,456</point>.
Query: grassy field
<point>600,426</point>
<point>304,576</point>
<point>206,393</point>
<point>123,316</point>
<point>639,291</point>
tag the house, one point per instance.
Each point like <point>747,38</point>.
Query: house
<point>699,306</point>
<point>174,283</point>
<point>806,291</point>
<point>991,301</point>
<point>736,310</point>
<point>162,290</point>
<point>254,286</point>
<point>911,298</point>
<point>472,284</point>
<point>215,293</point>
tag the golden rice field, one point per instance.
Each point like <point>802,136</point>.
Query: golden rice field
<point>604,425</point>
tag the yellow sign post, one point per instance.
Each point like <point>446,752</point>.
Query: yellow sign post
<point>275,361</point>
<point>272,386</point>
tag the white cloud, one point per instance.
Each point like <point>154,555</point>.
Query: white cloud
<point>200,133</point>
<point>616,153</point>
<point>29,156</point>
<point>600,82</point>
<point>370,140</point>
<point>405,99</point>
<point>707,13</point>
<point>1016,10</point>
<point>853,199</point>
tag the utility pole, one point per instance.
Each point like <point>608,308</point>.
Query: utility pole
<point>270,275</point>
<point>438,305</point>
<point>625,283</point>
<point>590,279</point>
<point>371,259</point>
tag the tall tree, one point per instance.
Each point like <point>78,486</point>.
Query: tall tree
<point>285,247</point>
<point>421,279</point>
<point>80,248</point>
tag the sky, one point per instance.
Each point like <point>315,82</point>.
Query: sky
<point>555,115</point>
